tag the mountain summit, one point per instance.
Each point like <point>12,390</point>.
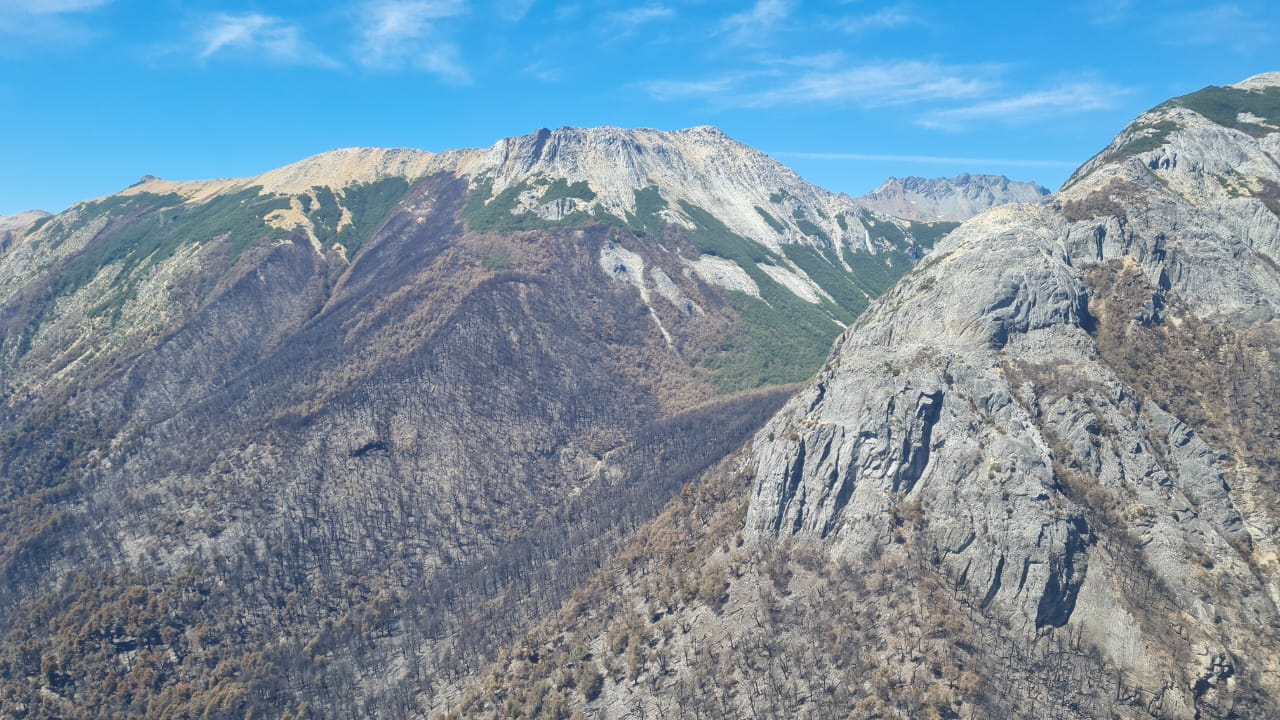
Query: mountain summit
<point>1082,426</point>
<point>701,166</point>
<point>557,427</point>
<point>345,429</point>
<point>950,199</point>
<point>1036,478</point>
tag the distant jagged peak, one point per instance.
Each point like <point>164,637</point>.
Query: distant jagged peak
<point>949,199</point>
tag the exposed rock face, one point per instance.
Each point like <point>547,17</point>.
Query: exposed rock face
<point>1023,397</point>
<point>952,199</point>
<point>702,166</point>
<point>344,429</point>
<point>752,194</point>
<point>1036,479</point>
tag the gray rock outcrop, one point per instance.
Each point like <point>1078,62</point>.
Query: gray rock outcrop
<point>1022,397</point>
<point>949,199</point>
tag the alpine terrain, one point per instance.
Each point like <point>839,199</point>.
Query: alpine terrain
<point>1037,478</point>
<point>948,199</point>
<point>556,429</point>
<point>320,442</point>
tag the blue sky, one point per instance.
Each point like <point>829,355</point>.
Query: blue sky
<point>96,93</point>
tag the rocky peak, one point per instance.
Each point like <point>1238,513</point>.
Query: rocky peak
<point>1066,396</point>
<point>754,195</point>
<point>1199,174</point>
<point>950,199</point>
<point>1207,133</point>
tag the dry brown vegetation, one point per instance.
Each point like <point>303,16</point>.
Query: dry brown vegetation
<point>1113,201</point>
<point>1223,380</point>
<point>695,621</point>
<point>335,491</point>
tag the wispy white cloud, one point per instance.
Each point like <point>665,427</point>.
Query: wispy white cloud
<point>824,79</point>
<point>513,10</point>
<point>1061,100</point>
<point>817,61</point>
<point>398,34</point>
<point>931,94</point>
<point>1108,12</point>
<point>925,159</point>
<point>444,60</point>
<point>757,25</point>
<point>626,21</point>
<point>258,37</point>
<point>565,12</point>
<point>47,22</point>
<point>714,90</point>
<point>1228,26</point>
<point>879,85</point>
<point>44,7</point>
<point>543,71</point>
<point>882,19</point>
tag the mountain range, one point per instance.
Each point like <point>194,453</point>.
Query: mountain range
<point>1036,478</point>
<point>557,428</point>
<point>388,395</point>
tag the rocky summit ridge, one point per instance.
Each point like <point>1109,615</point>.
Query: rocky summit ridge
<point>1036,478</point>
<point>951,199</point>
<point>488,433</point>
<point>1072,404</point>
<point>346,429</point>
<point>754,195</point>
<point>21,220</point>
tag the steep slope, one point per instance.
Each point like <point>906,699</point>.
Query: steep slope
<point>948,199</point>
<point>1037,478</point>
<point>322,440</point>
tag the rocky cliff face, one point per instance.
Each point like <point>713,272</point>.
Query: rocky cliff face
<point>321,441</point>
<point>948,199</point>
<point>1052,397</point>
<point>753,195</point>
<point>1035,479</point>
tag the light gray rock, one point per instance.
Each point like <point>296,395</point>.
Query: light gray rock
<point>949,199</point>
<point>973,402</point>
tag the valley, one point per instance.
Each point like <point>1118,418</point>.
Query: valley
<point>629,423</point>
